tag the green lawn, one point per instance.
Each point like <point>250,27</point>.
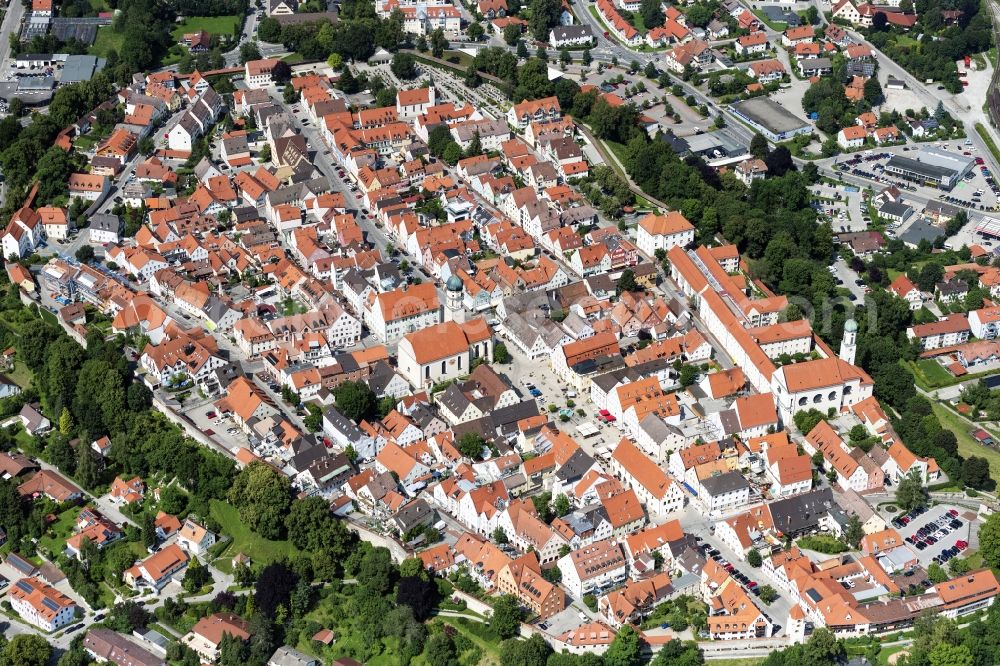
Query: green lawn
<point>55,536</point>
<point>242,540</point>
<point>107,40</point>
<point>20,374</point>
<point>638,23</point>
<point>773,25</point>
<point>25,442</point>
<point>934,373</point>
<point>967,446</point>
<point>213,25</point>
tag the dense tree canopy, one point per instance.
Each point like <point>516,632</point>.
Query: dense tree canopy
<point>262,497</point>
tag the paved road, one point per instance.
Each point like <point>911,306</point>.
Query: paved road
<point>11,24</point>
<point>249,28</point>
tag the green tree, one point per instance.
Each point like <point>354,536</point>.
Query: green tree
<point>355,401</point>
<point>511,34</point>
<point>475,31</point>
<point>269,30</point>
<point>936,573</point>
<point>625,649</point>
<point>989,540</point>
<point>560,505</point>
<point>440,651</point>
<point>404,66</point>
<point>544,16</point>
<point>452,153</point>
<point>688,374</point>
<point>506,618</point>
<point>376,570</point>
<point>262,497</point>
<point>910,493</point>
<point>471,445</point>
<point>439,43</point>
<point>533,652</point>
<point>88,471</point>
<point>944,654</point>
<point>753,558</point>
<point>65,422</point>
<point>27,650</point>
<point>173,500</point>
<point>249,51</point>
<point>148,530</point>
<point>767,594</point>
<point>652,13</point>
<point>758,146</point>
<point>976,473</point>
<point>85,254</point>
<point>500,353</point>
<point>311,526</point>
<point>853,532</point>
<point>627,282</point>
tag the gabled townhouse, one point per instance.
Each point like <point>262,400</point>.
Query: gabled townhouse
<point>662,232</point>
<point>953,329</point>
<point>658,493</point>
<point>904,288</point>
<point>601,565</point>
<point>861,475</point>
<point>410,308</point>
<point>157,570</point>
<point>41,605</point>
<point>523,578</point>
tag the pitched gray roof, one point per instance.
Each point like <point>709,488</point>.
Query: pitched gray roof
<point>724,483</point>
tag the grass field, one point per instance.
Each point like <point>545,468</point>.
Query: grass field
<point>242,540</point>
<point>213,25</point>
<point>773,25</point>
<point>933,372</point>
<point>55,536</point>
<point>20,374</point>
<point>967,446</point>
<point>107,40</point>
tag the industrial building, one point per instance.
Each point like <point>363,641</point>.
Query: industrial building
<point>771,119</point>
<point>932,166</point>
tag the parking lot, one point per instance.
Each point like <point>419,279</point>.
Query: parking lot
<point>221,429</point>
<point>842,206</point>
<point>978,191</point>
<point>935,531</point>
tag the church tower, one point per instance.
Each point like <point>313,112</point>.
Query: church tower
<point>454,310</point>
<point>849,343</point>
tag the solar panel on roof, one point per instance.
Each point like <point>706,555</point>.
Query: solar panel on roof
<point>50,604</point>
<point>25,586</point>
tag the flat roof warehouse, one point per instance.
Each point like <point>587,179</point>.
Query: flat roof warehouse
<point>772,120</point>
<point>932,165</point>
